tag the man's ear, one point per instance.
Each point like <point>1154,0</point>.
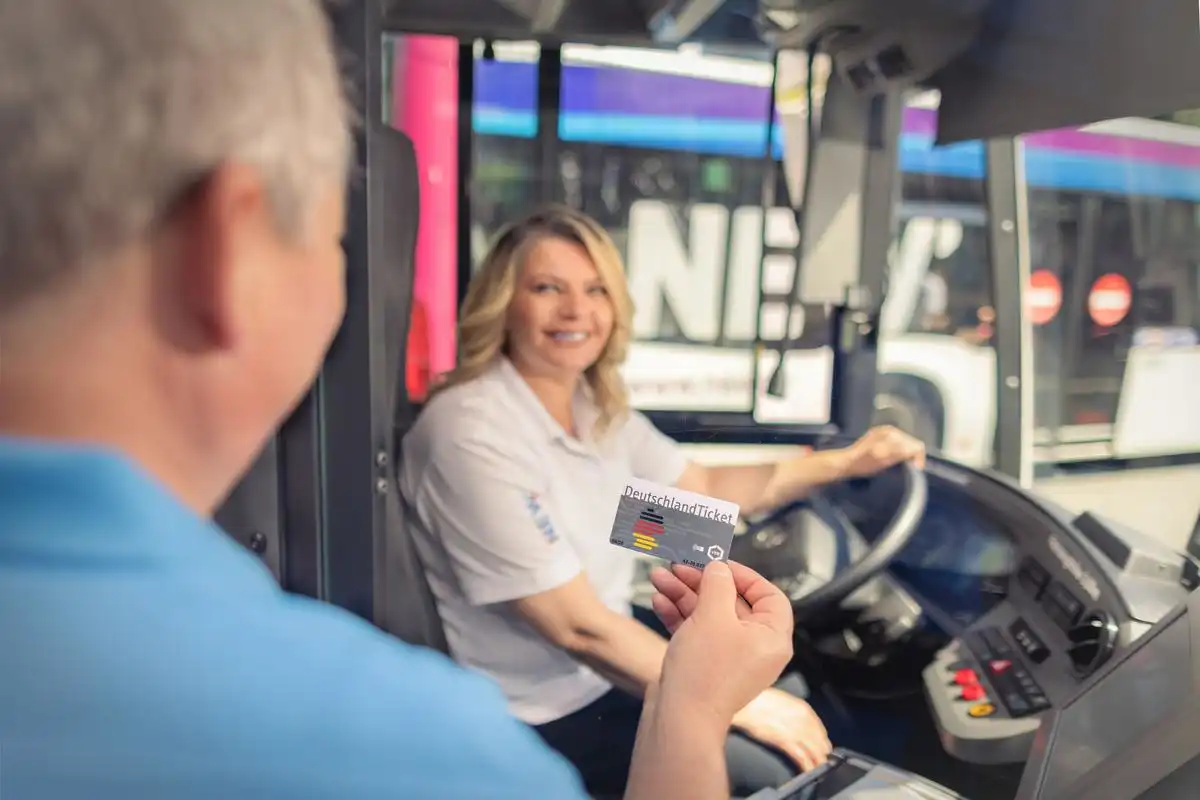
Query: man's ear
<point>218,233</point>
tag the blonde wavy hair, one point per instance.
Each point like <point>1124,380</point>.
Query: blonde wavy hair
<point>483,319</point>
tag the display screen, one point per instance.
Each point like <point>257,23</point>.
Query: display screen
<point>958,560</point>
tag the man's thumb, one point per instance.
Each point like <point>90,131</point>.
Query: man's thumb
<point>717,590</point>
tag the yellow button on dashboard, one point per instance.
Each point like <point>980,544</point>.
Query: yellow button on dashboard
<point>981,710</point>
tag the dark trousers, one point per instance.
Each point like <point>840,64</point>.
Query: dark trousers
<point>598,740</point>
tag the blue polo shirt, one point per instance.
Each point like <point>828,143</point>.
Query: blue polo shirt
<point>144,654</point>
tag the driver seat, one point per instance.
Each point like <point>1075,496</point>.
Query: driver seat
<point>404,603</point>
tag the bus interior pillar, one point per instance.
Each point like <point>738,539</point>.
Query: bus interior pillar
<point>845,218</point>
<point>466,161</point>
<point>549,101</point>
<point>1012,446</point>
<point>355,419</point>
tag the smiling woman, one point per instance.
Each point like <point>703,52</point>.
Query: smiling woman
<point>550,297</point>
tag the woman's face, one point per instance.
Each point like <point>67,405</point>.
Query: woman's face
<point>561,315</point>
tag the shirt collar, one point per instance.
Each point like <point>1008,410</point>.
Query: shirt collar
<point>88,505</point>
<point>584,409</point>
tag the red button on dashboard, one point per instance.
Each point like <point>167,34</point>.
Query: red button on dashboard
<point>973,693</point>
<point>966,677</point>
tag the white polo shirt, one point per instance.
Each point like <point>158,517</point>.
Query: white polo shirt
<point>505,504</point>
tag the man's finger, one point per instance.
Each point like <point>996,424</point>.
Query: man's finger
<point>689,575</point>
<point>750,584</point>
<point>667,582</point>
<point>675,590</point>
<point>718,593</point>
<point>667,612</point>
<point>758,590</point>
<point>774,612</point>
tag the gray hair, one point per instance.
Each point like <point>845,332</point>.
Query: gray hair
<point>111,110</point>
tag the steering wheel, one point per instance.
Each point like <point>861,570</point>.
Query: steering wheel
<point>787,556</point>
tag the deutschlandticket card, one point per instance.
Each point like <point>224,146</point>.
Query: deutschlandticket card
<point>679,526</point>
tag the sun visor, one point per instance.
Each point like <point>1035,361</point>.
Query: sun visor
<point>1043,64</point>
<point>628,21</point>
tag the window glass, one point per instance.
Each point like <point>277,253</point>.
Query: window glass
<point>666,150</point>
<point>1115,226</point>
<point>505,168</point>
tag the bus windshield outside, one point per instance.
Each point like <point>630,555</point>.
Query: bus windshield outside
<point>666,150</point>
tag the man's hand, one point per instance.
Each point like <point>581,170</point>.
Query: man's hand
<point>788,724</point>
<point>773,717</point>
<point>880,448</point>
<point>731,635</point>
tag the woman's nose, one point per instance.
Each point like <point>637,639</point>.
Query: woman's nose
<point>572,304</point>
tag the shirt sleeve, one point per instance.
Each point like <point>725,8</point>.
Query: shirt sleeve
<point>486,501</point>
<point>653,455</point>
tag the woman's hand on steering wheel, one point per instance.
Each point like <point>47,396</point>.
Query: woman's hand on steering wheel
<point>880,448</point>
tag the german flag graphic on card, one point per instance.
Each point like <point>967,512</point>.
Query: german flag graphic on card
<point>646,528</point>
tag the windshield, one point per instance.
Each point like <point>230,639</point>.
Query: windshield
<point>666,150</point>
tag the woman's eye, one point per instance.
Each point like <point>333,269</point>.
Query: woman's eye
<point>542,288</point>
<point>598,290</point>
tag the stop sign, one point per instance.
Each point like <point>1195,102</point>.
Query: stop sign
<point>1045,296</point>
<point>1109,300</point>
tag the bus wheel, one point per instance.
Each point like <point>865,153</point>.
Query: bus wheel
<point>903,413</point>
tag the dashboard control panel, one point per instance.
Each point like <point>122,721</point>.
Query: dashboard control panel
<point>1036,599</point>
<point>1061,619</point>
<point>1072,592</point>
<point>1004,670</point>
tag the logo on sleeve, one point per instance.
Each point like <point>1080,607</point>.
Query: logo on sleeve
<point>540,518</point>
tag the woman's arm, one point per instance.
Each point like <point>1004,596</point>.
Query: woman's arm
<point>759,488</point>
<point>571,617</point>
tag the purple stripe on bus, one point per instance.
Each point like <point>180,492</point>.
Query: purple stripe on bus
<point>923,122</point>
<point>1172,153</point>
<point>626,91</point>
<point>593,90</point>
